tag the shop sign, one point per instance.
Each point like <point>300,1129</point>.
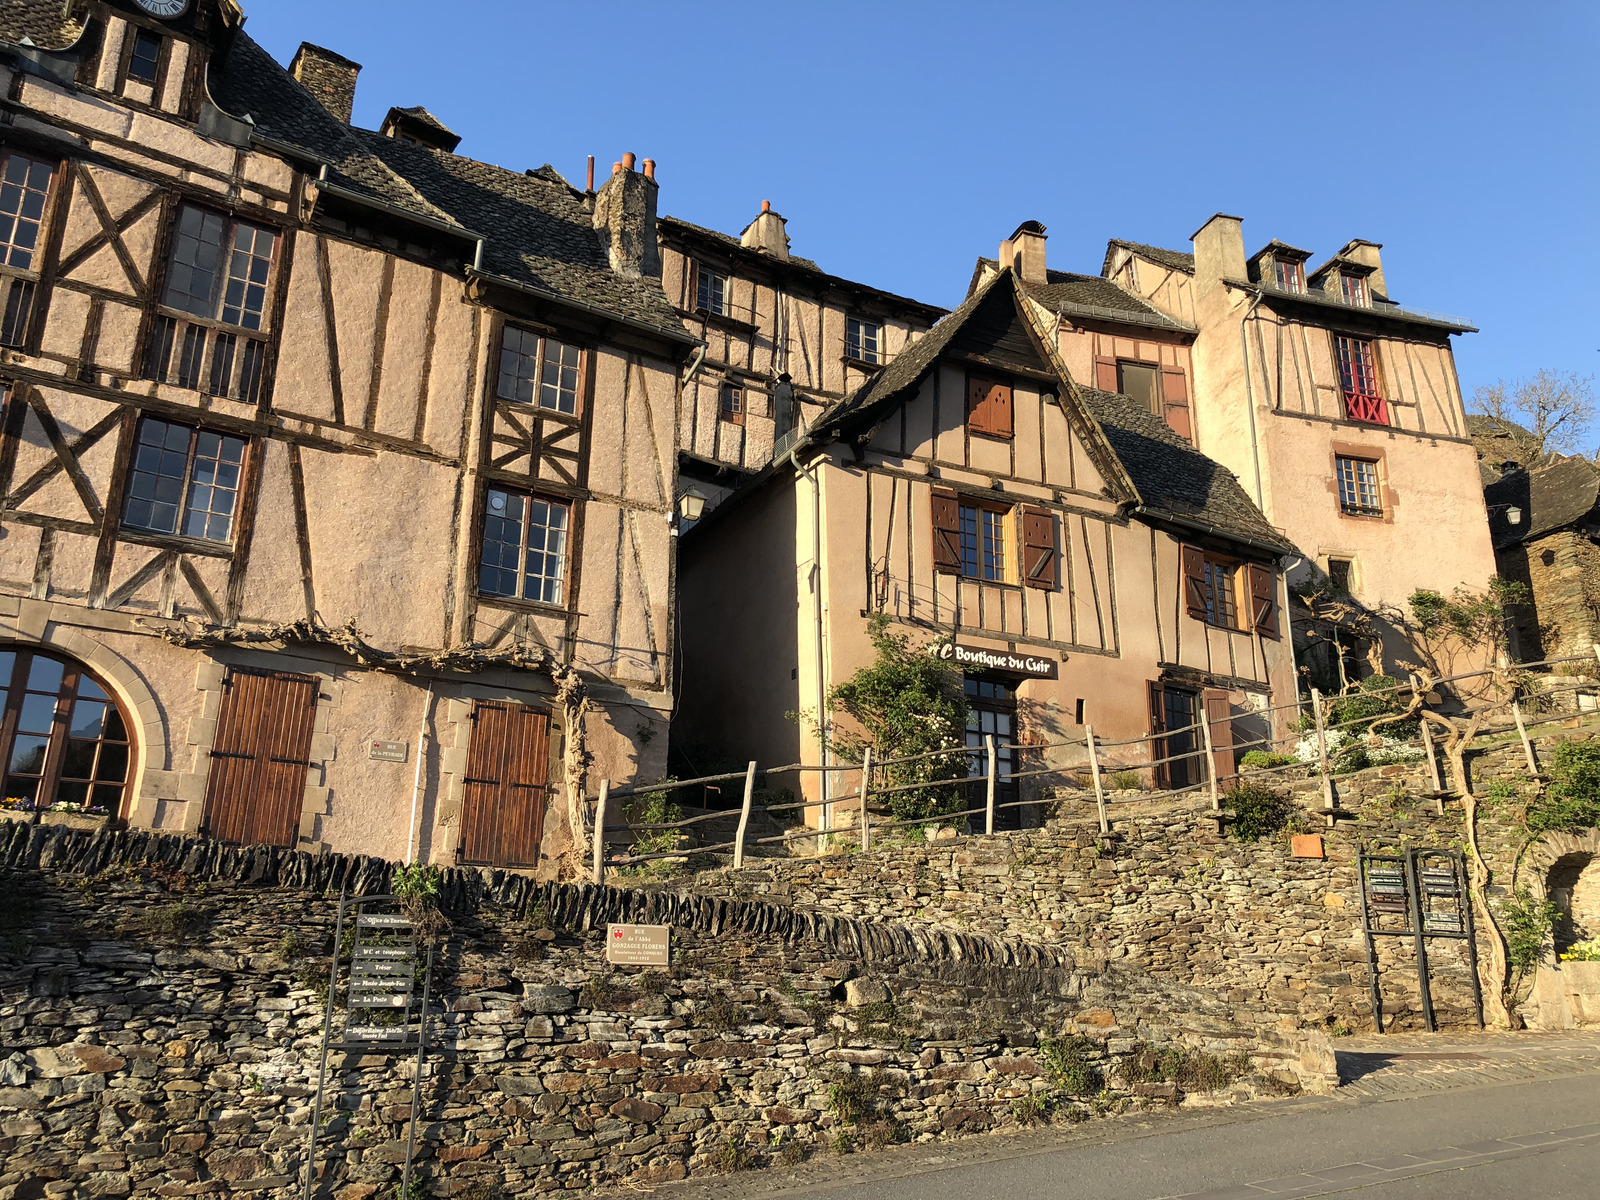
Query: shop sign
<point>981,658</point>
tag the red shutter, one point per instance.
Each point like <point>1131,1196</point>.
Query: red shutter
<point>1194,581</point>
<point>508,776</point>
<point>946,509</point>
<point>1175,400</point>
<point>988,406</point>
<point>1263,606</point>
<point>255,791</point>
<point>1160,776</point>
<point>1219,715</point>
<point>1038,548</point>
<point>1105,374</point>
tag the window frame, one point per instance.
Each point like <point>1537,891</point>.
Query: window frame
<point>998,531</point>
<point>1356,360</point>
<point>703,273</point>
<point>734,415</point>
<point>1158,404</point>
<point>1213,565</point>
<point>224,546</point>
<point>1289,276</point>
<point>1354,289</point>
<point>857,325</point>
<point>19,286</point>
<point>1355,508</point>
<point>125,67</point>
<point>545,336</point>
<point>231,223</point>
<point>50,773</point>
<point>573,508</point>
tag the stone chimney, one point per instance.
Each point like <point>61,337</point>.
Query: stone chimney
<point>1219,252</point>
<point>625,218</point>
<point>330,77</point>
<point>1023,252</point>
<point>1368,254</point>
<point>767,233</point>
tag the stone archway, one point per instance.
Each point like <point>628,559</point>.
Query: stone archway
<point>136,698</point>
<point>1565,868</point>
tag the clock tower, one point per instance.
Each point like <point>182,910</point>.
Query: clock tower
<point>152,54</point>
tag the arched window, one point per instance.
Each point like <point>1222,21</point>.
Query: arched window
<point>64,739</point>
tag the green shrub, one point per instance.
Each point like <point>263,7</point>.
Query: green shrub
<point>1258,811</point>
<point>722,1015</point>
<point>1572,802</point>
<point>653,808</point>
<point>1527,923</point>
<point>1377,696</point>
<point>1265,758</point>
<point>1124,781</point>
<point>1066,1062</point>
<point>1191,1069</point>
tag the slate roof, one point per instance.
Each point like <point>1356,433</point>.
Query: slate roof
<point>1068,290</point>
<point>734,243</point>
<point>1178,260</point>
<point>1564,492</point>
<point>40,21</point>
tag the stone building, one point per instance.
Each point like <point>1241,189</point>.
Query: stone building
<point>1338,409</point>
<point>338,470</point>
<point>1553,547</point>
<point>1067,546</point>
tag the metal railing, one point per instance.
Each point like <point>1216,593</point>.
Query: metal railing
<point>217,359</point>
<point>1198,744</point>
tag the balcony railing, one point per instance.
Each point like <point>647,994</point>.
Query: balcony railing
<point>215,359</point>
<point>16,306</point>
<point>1371,410</point>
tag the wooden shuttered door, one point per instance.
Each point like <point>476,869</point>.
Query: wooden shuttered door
<point>1263,604</point>
<point>256,788</point>
<point>1219,715</point>
<point>1038,548</point>
<point>1193,566</point>
<point>946,513</point>
<point>988,406</point>
<point>506,785</point>
<point>1105,374</point>
<point>1175,402</point>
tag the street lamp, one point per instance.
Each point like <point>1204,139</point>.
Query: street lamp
<point>691,505</point>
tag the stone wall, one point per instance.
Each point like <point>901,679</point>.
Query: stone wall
<point>1562,570</point>
<point>161,1001</point>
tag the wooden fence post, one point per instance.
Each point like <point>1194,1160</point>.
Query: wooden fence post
<point>988,804</point>
<point>866,823</point>
<point>1211,760</point>
<point>1522,732</point>
<point>1094,770</point>
<point>744,813</point>
<point>1322,755</point>
<point>599,871</point>
<point>1427,750</point>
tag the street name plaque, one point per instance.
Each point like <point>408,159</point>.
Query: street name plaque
<point>638,945</point>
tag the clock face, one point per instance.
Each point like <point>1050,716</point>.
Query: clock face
<point>165,9</point>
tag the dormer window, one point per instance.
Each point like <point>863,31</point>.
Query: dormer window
<point>711,292</point>
<point>1354,288</point>
<point>1289,276</point>
<point>144,59</point>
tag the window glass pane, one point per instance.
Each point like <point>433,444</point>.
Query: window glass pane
<point>45,675</point>
<point>71,792</point>
<point>501,556</point>
<point>88,718</point>
<point>38,713</point>
<point>558,387</point>
<point>88,689</point>
<point>712,292</point>
<point>8,662</point>
<point>155,488</point>
<point>196,254</point>
<point>145,58</point>
<point>862,339</point>
<point>245,294</point>
<point>519,360</point>
<point>1137,381</point>
<point>213,487</point>
<point>23,788</point>
<point>22,197</point>
<point>994,545</point>
<point>27,754</point>
<point>108,797</point>
<point>115,730</point>
<point>77,760</point>
<point>969,540</point>
<point>113,764</point>
<point>547,551</point>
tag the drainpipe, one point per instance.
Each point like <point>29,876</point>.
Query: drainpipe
<point>416,778</point>
<point>1250,397</point>
<point>816,609</point>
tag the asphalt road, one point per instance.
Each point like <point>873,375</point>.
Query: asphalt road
<point>1487,1141</point>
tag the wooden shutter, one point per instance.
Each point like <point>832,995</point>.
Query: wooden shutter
<point>506,785</point>
<point>691,278</point>
<point>1161,777</point>
<point>256,788</point>
<point>946,510</point>
<point>1175,402</point>
<point>1263,605</point>
<point>1105,374</point>
<point>988,406</point>
<point>1194,581</point>
<point>1038,548</point>
<point>1219,715</point>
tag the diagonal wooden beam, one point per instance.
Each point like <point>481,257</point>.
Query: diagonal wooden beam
<point>77,446</point>
<point>201,593</point>
<point>69,460</point>
<point>111,231</point>
<point>123,591</point>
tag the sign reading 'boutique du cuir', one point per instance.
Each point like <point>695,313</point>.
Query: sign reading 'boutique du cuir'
<point>638,945</point>
<point>1036,666</point>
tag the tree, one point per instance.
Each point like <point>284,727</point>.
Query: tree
<point>907,702</point>
<point>1555,407</point>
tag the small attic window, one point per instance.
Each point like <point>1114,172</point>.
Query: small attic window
<point>1354,288</point>
<point>1289,276</point>
<point>145,59</point>
<point>419,127</point>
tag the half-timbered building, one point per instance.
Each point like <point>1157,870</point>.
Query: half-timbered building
<point>1065,544</point>
<point>338,469</point>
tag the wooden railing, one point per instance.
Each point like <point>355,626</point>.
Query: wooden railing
<point>1372,410</point>
<point>220,360</point>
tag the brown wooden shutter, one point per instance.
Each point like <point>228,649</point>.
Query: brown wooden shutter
<point>1194,581</point>
<point>1161,777</point>
<point>988,406</point>
<point>946,510</point>
<point>507,779</point>
<point>1038,548</point>
<point>1219,715</point>
<point>256,788</point>
<point>1263,599</point>
<point>1175,402</point>
<point>1105,374</point>
<point>691,275</point>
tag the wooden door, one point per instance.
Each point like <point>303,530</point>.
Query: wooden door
<point>257,786</point>
<point>507,782</point>
<point>1219,715</point>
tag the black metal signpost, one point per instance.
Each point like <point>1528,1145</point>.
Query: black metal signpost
<point>385,962</point>
<point>1419,894</point>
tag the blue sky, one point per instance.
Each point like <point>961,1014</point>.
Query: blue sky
<point>903,140</point>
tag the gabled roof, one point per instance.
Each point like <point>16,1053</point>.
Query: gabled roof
<point>1282,250</point>
<point>419,123</point>
<point>1551,497</point>
<point>1178,260</point>
<point>1086,295</point>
